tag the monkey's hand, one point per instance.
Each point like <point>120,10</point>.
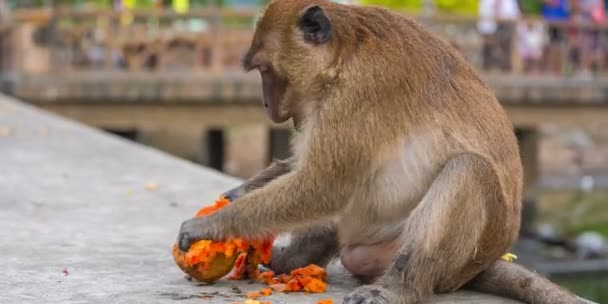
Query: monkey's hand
<point>226,223</point>
<point>372,294</point>
<point>234,193</point>
<point>276,169</point>
<point>199,228</point>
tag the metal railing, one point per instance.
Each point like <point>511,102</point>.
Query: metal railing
<point>212,40</point>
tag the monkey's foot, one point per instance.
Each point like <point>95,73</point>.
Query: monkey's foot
<point>371,294</point>
<point>284,260</point>
<point>316,245</point>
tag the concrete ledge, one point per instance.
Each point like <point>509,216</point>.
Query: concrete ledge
<point>234,86</point>
<point>74,198</point>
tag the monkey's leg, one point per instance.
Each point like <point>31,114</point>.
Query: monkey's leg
<point>276,169</point>
<point>462,225</point>
<point>317,244</point>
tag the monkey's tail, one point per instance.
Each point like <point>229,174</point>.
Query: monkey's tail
<point>516,282</point>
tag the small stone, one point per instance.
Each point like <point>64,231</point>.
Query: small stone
<point>151,186</point>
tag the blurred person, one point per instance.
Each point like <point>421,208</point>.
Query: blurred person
<point>584,36</point>
<point>497,26</point>
<point>530,42</point>
<point>603,51</point>
<point>556,14</point>
<point>4,13</point>
<point>587,16</point>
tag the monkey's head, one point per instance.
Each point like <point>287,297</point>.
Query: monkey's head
<point>293,50</point>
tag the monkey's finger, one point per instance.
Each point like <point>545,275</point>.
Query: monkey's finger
<point>184,241</point>
<point>232,195</point>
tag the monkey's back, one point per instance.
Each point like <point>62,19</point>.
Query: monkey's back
<point>417,78</point>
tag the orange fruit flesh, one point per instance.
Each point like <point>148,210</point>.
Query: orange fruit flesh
<point>208,272</point>
<point>309,279</point>
<point>209,261</point>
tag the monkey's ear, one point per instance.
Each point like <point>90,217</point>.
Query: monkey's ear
<point>315,25</point>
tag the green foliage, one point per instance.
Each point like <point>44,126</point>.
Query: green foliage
<point>195,3</point>
<point>90,3</point>
<point>27,3</point>
<point>401,5</point>
<point>593,287</point>
<point>573,212</point>
<point>531,7</point>
<point>601,228</point>
<point>467,7</point>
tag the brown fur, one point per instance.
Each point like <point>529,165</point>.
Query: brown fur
<point>515,281</point>
<point>399,142</point>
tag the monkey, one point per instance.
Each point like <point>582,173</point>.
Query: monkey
<point>405,166</point>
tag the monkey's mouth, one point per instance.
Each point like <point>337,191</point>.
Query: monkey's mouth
<point>274,88</point>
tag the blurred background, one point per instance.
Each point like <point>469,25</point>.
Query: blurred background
<point>166,74</point>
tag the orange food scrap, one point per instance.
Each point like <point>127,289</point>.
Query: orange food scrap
<point>311,270</point>
<point>253,295</point>
<point>285,278</point>
<point>266,291</point>
<point>151,186</point>
<point>303,280</point>
<point>251,301</point>
<point>240,269</point>
<point>279,287</point>
<point>266,276</point>
<point>315,286</point>
<point>293,285</point>
<point>310,279</point>
<point>208,210</point>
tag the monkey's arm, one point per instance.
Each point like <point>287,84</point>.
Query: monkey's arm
<point>287,202</point>
<point>276,169</point>
<point>314,192</point>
